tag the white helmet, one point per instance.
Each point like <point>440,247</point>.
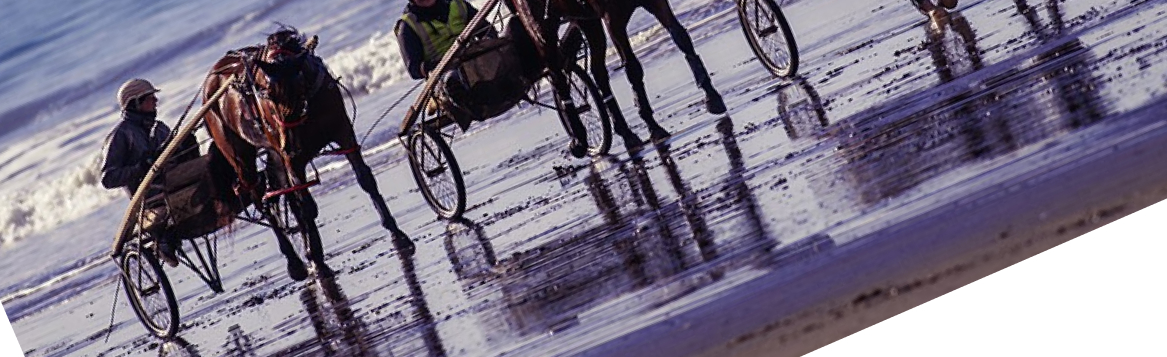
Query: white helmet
<point>134,89</point>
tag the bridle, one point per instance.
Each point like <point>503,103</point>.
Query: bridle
<point>286,117</point>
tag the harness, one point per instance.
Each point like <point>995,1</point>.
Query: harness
<point>437,37</point>
<point>246,85</point>
<point>274,132</point>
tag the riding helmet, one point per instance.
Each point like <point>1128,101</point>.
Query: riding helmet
<point>134,89</point>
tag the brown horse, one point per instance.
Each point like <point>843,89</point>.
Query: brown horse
<point>543,18</point>
<point>286,104</point>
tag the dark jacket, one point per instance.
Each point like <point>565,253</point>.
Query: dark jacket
<point>131,148</point>
<point>412,50</point>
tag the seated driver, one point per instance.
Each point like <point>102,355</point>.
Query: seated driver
<point>134,144</point>
<point>426,31</point>
<point>428,28</point>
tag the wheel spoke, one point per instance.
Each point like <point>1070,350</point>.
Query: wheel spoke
<point>148,293</point>
<point>768,32</point>
<point>435,171</point>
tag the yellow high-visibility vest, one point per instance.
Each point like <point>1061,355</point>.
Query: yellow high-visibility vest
<point>437,37</point>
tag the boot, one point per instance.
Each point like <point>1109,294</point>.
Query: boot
<point>167,251</point>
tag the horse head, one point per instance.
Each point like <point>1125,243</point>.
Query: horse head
<point>281,79</point>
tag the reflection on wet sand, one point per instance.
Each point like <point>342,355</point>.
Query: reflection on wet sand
<point>952,44</point>
<point>545,288</point>
<point>239,343</point>
<point>800,108</point>
<point>1042,31</point>
<point>469,250</point>
<point>762,253</point>
<point>1011,109</point>
<point>653,233</point>
<point>738,191</point>
<point>179,347</point>
<point>338,331</point>
<point>425,319</point>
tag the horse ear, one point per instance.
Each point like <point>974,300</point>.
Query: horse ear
<point>310,45</point>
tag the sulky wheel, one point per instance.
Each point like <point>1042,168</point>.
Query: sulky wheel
<point>150,293</point>
<point>592,112</point>
<point>769,36</point>
<point>437,173</point>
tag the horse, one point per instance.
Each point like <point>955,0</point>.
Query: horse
<point>285,103</point>
<point>542,19</point>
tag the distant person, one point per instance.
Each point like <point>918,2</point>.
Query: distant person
<point>134,144</point>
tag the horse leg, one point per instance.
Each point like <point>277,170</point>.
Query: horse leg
<point>565,105</point>
<point>346,138</point>
<point>305,209</point>
<point>618,29</point>
<point>296,269</point>
<point>276,177</point>
<point>597,48</point>
<point>365,179</point>
<point>545,33</point>
<point>664,13</point>
<point>562,87</point>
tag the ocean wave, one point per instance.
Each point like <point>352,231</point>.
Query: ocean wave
<point>369,67</point>
<point>48,204</point>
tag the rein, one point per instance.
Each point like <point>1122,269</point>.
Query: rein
<point>248,87</point>
<point>387,110</point>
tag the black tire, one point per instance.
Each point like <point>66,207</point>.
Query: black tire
<point>769,36</point>
<point>437,173</point>
<point>147,285</point>
<point>592,111</point>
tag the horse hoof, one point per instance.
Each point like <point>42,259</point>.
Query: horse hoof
<point>297,271</point>
<point>634,149</point>
<point>578,150</point>
<point>660,135</point>
<point>633,143</point>
<point>324,271</point>
<point>404,245</point>
<point>924,6</point>
<point>715,105</point>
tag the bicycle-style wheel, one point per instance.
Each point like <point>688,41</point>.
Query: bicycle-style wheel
<point>150,293</point>
<point>592,113</point>
<point>769,36</point>
<point>437,173</point>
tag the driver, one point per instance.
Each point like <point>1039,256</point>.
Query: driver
<point>134,144</point>
<point>427,29</point>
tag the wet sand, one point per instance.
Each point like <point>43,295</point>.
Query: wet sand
<point>909,159</point>
<point>911,263</point>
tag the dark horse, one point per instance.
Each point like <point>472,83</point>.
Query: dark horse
<point>284,103</point>
<point>542,19</point>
